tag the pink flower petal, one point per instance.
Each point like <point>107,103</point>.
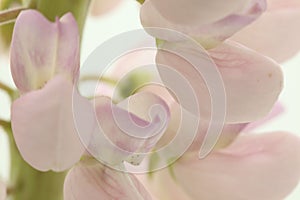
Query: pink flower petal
<point>206,21</point>
<point>44,126</point>
<point>252,82</point>
<point>125,131</point>
<point>93,181</point>
<point>2,191</point>
<point>276,33</point>
<point>254,167</point>
<point>40,49</point>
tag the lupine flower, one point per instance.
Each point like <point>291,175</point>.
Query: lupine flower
<point>91,179</point>
<point>209,22</point>
<point>246,166</point>
<point>275,33</point>
<point>45,68</point>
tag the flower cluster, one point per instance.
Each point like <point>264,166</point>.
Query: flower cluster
<point>234,44</point>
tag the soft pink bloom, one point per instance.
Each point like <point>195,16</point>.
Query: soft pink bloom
<point>252,82</point>
<point>125,131</point>
<point>45,67</point>
<point>275,33</point>
<point>111,144</point>
<point>253,167</point>
<point>209,22</point>
<point>2,191</point>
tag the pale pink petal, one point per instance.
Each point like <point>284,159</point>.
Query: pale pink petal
<point>94,181</point>
<point>207,21</point>
<point>100,7</point>
<point>125,131</point>
<point>252,82</point>
<point>254,167</point>
<point>40,49</point>
<point>276,33</point>
<point>44,126</point>
<point>2,191</point>
<point>185,131</point>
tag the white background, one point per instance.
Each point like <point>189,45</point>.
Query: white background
<point>126,17</point>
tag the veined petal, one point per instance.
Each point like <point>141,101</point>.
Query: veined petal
<point>252,82</point>
<point>253,167</point>
<point>41,49</point>
<point>124,131</point>
<point>2,191</point>
<point>44,126</point>
<point>209,22</point>
<point>275,33</point>
<point>94,181</point>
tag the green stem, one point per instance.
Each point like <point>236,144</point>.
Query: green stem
<point>30,184</point>
<point>10,15</point>
<point>5,124</point>
<point>6,88</point>
<point>13,94</point>
<point>97,78</point>
<point>140,1</point>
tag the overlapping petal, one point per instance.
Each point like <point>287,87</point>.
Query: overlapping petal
<point>127,130</point>
<point>44,126</point>
<point>209,22</point>
<point>186,131</point>
<point>252,82</point>
<point>275,33</point>
<point>253,167</point>
<point>93,181</point>
<point>41,49</point>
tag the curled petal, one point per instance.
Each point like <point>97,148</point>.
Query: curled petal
<point>125,131</point>
<point>93,181</point>
<point>2,191</point>
<point>254,167</point>
<point>40,49</point>
<point>209,22</point>
<point>275,33</point>
<point>44,126</point>
<point>252,82</point>
<point>187,126</point>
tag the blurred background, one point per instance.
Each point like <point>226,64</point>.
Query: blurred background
<point>125,17</point>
